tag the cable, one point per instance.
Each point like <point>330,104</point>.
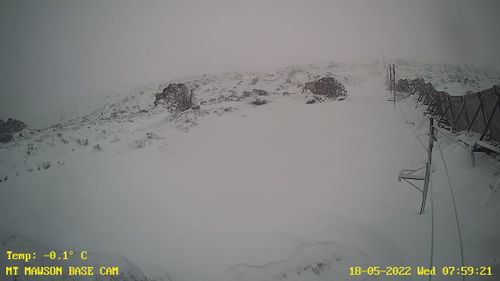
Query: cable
<point>411,128</point>
<point>437,128</point>
<point>413,109</point>
<point>431,258</point>
<point>454,207</point>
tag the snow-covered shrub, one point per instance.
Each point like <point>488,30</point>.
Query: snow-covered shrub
<point>258,101</point>
<point>314,99</point>
<point>44,165</point>
<point>31,149</point>
<point>246,94</point>
<point>6,138</point>
<point>83,142</point>
<point>260,92</point>
<point>327,86</point>
<point>11,126</point>
<point>7,128</point>
<point>177,98</point>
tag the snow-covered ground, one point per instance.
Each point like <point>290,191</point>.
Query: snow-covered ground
<point>281,191</point>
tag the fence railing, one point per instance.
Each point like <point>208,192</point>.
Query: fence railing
<point>476,112</point>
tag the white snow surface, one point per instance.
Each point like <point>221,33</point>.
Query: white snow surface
<point>281,191</point>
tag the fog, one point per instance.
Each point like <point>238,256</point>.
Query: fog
<point>54,53</point>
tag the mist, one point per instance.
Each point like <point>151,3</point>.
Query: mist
<point>56,53</point>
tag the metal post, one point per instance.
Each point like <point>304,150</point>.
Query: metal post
<point>388,76</point>
<point>428,165</point>
<point>394,84</point>
<point>394,95</point>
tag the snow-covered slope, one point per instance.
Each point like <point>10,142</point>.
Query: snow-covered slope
<point>454,79</point>
<point>121,122</point>
<point>234,191</point>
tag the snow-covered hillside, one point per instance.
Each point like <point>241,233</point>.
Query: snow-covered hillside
<point>234,191</point>
<point>121,122</point>
<point>454,79</point>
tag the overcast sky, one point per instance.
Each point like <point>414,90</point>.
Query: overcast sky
<point>53,52</point>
